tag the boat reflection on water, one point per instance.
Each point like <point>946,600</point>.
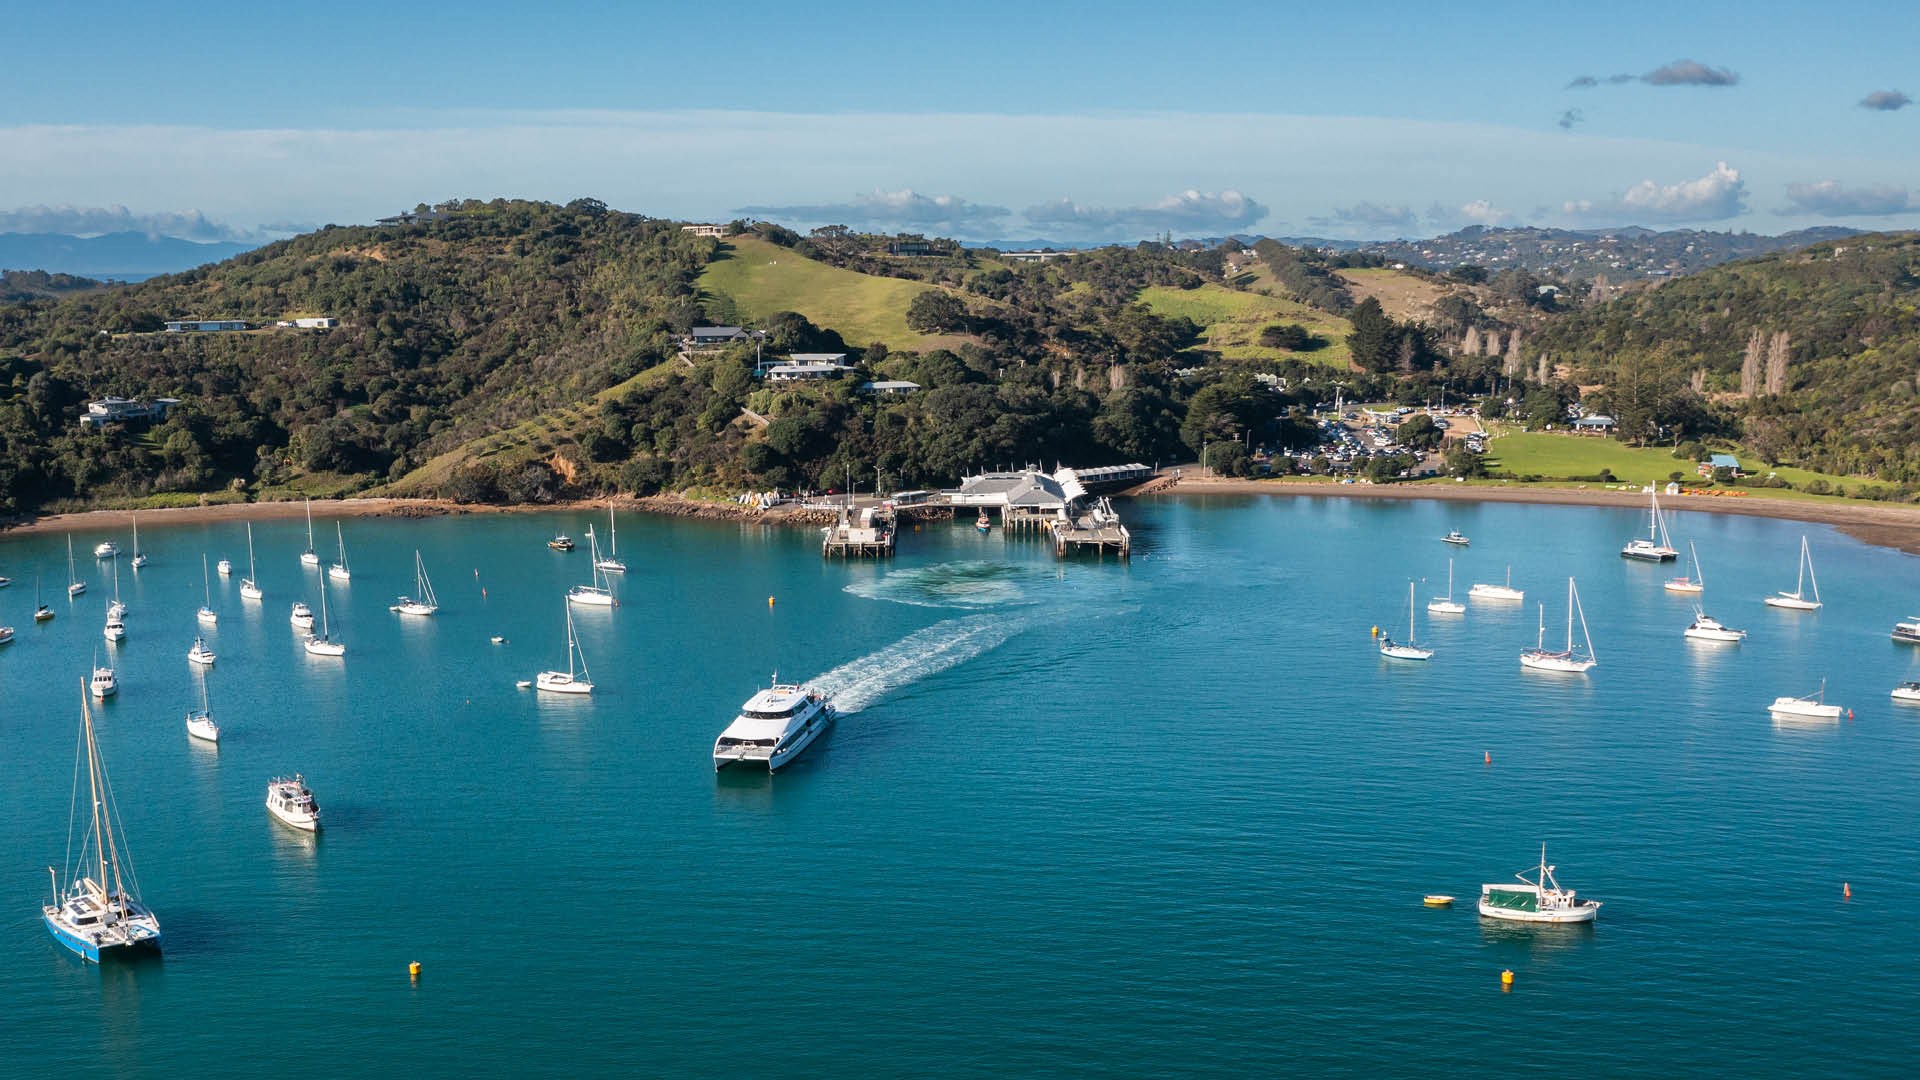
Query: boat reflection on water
<point>1536,938</point>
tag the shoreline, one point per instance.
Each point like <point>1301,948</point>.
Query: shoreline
<point>1891,525</point>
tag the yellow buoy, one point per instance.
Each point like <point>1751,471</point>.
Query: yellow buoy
<point>769,601</point>
<point>1506,980</point>
<point>413,970</point>
<point>1376,631</point>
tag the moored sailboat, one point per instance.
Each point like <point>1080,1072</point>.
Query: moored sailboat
<point>322,644</point>
<point>99,917</point>
<point>74,585</point>
<point>569,681</point>
<point>1797,599</point>
<point>596,594</point>
<point>1447,605</point>
<point>139,557</point>
<point>1656,547</point>
<point>1812,707</point>
<point>249,588</point>
<point>200,724</point>
<point>1407,650</point>
<point>1540,658</point>
<point>611,564</point>
<point>309,557</point>
<point>206,614</point>
<point>1694,584</point>
<point>422,602</point>
<point>338,571</point>
<point>1482,591</point>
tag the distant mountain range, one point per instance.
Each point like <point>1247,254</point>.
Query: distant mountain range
<point>1583,254</point>
<point>127,256</point>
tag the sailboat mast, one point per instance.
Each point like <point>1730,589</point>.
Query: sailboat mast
<point>206,584</point>
<point>326,626</point>
<point>1409,612</point>
<point>1569,616</point>
<point>613,534</point>
<point>108,858</point>
<point>249,551</point>
<point>1806,556</point>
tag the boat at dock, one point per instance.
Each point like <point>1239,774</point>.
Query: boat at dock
<point>99,918</point>
<point>1568,660</point>
<point>1538,899</point>
<point>1655,547</point>
<point>1447,605</point>
<point>773,727</point>
<point>1507,592</point>
<point>1814,707</point>
<point>1407,650</point>
<point>289,801</point>
<point>1797,599</point>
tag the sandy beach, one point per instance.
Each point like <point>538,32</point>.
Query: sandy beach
<point>1894,525</point>
<point>1891,525</point>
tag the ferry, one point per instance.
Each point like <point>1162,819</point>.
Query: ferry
<point>291,802</point>
<point>1908,632</point>
<point>773,727</point>
<point>1539,899</point>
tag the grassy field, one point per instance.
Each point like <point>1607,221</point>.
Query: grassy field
<point>1233,321</point>
<point>1401,295</point>
<point>764,278</point>
<point>1556,456</point>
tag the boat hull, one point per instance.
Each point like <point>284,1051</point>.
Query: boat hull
<point>1728,637</point>
<point>1559,664</point>
<point>250,591</point>
<point>1496,592</point>
<point>308,558</point>
<point>302,822</point>
<point>587,596</point>
<point>203,728</point>
<point>783,755</point>
<point>1906,634</point>
<point>1446,607</point>
<point>86,948</point>
<point>1792,603</point>
<point>1405,652</point>
<point>559,682</point>
<point>1685,587</point>
<point>409,607</point>
<point>1907,694</point>
<point>1800,710</point>
<point>1582,914</point>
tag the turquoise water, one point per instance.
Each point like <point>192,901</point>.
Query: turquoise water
<point>1172,817</point>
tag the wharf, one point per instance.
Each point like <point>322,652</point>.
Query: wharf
<point>1099,529</point>
<point>867,533</point>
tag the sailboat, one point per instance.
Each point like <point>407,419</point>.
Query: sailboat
<point>1695,584</point>
<point>1482,591</point>
<point>611,564</point>
<point>338,571</point>
<point>422,602</point>
<point>1797,599</point>
<point>1447,605</point>
<point>200,723</point>
<point>139,557</point>
<point>322,644</point>
<point>1540,658</point>
<point>249,590</point>
<point>309,557</point>
<point>568,681</point>
<point>596,594</point>
<point>41,612</point>
<point>206,614</point>
<point>1656,547</point>
<point>74,585</point>
<point>99,917</point>
<point>116,609</point>
<point>1806,708</point>
<point>1394,650</point>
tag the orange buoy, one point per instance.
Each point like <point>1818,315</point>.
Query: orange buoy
<point>1846,890</point>
<point>1489,754</point>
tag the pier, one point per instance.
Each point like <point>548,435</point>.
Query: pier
<point>866,533</point>
<point>1099,529</point>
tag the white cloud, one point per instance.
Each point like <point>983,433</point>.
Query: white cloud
<point>101,220</point>
<point>903,209</point>
<point>1370,220</point>
<point>1190,211</point>
<point>1829,198</point>
<point>1482,212</point>
<point>1719,195</point>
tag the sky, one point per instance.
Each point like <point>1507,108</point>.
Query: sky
<point>985,120</point>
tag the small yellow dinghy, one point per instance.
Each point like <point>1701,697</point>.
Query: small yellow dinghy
<point>1437,900</point>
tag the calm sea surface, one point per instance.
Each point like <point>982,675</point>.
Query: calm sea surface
<point>1173,817</point>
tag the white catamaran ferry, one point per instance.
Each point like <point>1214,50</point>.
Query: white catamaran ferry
<point>1539,899</point>
<point>773,727</point>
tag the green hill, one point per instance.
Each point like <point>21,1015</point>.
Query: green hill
<point>760,278</point>
<point>1232,321</point>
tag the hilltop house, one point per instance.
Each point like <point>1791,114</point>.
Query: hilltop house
<point>703,228</point>
<point>204,326</point>
<point>707,337</point>
<point>807,367</point>
<point>1716,462</point>
<point>889,387</point>
<point>119,410</point>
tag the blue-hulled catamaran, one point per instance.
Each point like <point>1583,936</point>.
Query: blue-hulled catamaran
<point>98,917</point>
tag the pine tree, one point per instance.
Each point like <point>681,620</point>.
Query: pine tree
<point>1372,341</point>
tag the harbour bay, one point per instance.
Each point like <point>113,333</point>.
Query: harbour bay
<point>1169,816</point>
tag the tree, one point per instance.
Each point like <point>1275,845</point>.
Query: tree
<point>1292,337</point>
<point>1372,341</point>
<point>1751,363</point>
<point>936,311</point>
<point>1777,360</point>
<point>1420,432</point>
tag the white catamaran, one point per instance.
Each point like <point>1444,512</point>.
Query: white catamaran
<point>1395,650</point>
<point>570,681</point>
<point>773,727</point>
<point>1447,605</point>
<point>249,587</point>
<point>1538,899</point>
<point>1695,584</point>
<point>611,564</point>
<point>1656,547</point>
<point>1797,599</point>
<point>422,602</point>
<point>596,594</point>
<point>1540,658</point>
<point>99,917</point>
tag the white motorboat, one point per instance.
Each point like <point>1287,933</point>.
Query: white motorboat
<point>1907,632</point>
<point>1455,537</point>
<point>139,557</point>
<point>1447,605</point>
<point>322,644</point>
<point>1408,650</point>
<point>309,557</point>
<point>200,653</point>
<point>1538,899</point>
<point>596,594</point>
<point>1540,658</point>
<point>773,727</point>
<point>200,723</point>
<point>611,564</point>
<point>561,542</point>
<point>74,585</point>
<point>1807,708</point>
<point>6,635</point>
<point>1797,599</point>
<point>573,680</point>
<point>1705,627</point>
<point>422,602</point>
<point>104,684</point>
<point>206,614</point>
<point>1695,584</point>
<point>338,571</point>
<point>302,616</point>
<point>1655,547</point>
<point>115,631</point>
<point>289,801</point>
<point>99,917</point>
<point>224,568</point>
<point>1908,692</point>
<point>1507,592</point>
<point>249,589</point>
<point>106,549</point>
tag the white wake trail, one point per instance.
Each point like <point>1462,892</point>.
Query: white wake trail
<point>858,683</point>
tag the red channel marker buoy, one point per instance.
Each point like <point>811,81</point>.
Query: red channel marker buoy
<point>1846,890</point>
<point>1489,754</point>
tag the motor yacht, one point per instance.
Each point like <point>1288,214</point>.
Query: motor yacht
<point>1908,631</point>
<point>1705,627</point>
<point>302,616</point>
<point>106,549</point>
<point>103,685</point>
<point>289,800</point>
<point>200,653</point>
<point>773,727</point>
<point>1908,692</point>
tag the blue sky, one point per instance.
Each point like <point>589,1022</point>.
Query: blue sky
<point>985,119</point>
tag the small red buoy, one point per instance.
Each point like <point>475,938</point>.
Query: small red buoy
<point>1489,754</point>
<point>1849,714</point>
<point>1846,890</point>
